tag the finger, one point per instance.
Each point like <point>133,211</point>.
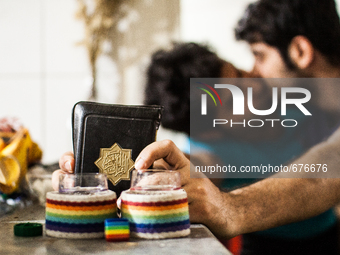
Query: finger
<point>184,173</point>
<point>161,164</point>
<point>194,202</point>
<point>166,150</point>
<point>190,190</point>
<point>119,203</point>
<point>55,179</point>
<point>66,162</point>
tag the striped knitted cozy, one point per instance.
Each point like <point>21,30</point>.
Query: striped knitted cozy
<point>157,214</point>
<point>79,216</point>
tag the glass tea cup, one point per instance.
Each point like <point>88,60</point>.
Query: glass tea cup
<point>82,183</point>
<point>155,180</point>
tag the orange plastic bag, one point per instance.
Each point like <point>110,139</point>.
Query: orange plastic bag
<point>15,157</point>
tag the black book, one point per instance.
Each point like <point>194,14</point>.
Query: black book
<point>108,138</point>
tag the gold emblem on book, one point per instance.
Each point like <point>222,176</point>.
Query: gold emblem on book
<point>115,162</point>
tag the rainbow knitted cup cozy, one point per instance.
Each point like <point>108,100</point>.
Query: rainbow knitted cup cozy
<point>79,216</point>
<point>156,214</point>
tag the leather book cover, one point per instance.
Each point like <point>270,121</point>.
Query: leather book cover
<point>108,138</point>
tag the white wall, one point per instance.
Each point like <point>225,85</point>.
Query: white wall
<point>213,22</point>
<point>42,70</point>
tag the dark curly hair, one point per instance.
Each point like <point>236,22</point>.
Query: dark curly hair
<point>168,80</point>
<point>277,22</point>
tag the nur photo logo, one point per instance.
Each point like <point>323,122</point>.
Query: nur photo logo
<point>281,98</point>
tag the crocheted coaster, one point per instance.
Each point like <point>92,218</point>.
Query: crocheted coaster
<point>117,230</point>
<point>156,214</point>
<point>79,216</point>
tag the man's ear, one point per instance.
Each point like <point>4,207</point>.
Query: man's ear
<point>301,52</point>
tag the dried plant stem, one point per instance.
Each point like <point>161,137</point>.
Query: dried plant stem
<point>99,23</point>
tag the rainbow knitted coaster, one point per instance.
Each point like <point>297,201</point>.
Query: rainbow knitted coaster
<point>117,230</point>
<point>156,214</point>
<point>79,216</point>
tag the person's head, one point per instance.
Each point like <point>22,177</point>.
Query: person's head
<point>288,37</point>
<point>168,80</point>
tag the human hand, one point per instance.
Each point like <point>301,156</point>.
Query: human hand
<point>207,204</point>
<point>66,164</point>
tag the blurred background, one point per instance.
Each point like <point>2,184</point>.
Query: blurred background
<point>47,47</point>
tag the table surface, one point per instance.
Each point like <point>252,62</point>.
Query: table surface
<point>200,241</point>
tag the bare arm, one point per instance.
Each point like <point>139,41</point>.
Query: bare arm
<point>277,201</point>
